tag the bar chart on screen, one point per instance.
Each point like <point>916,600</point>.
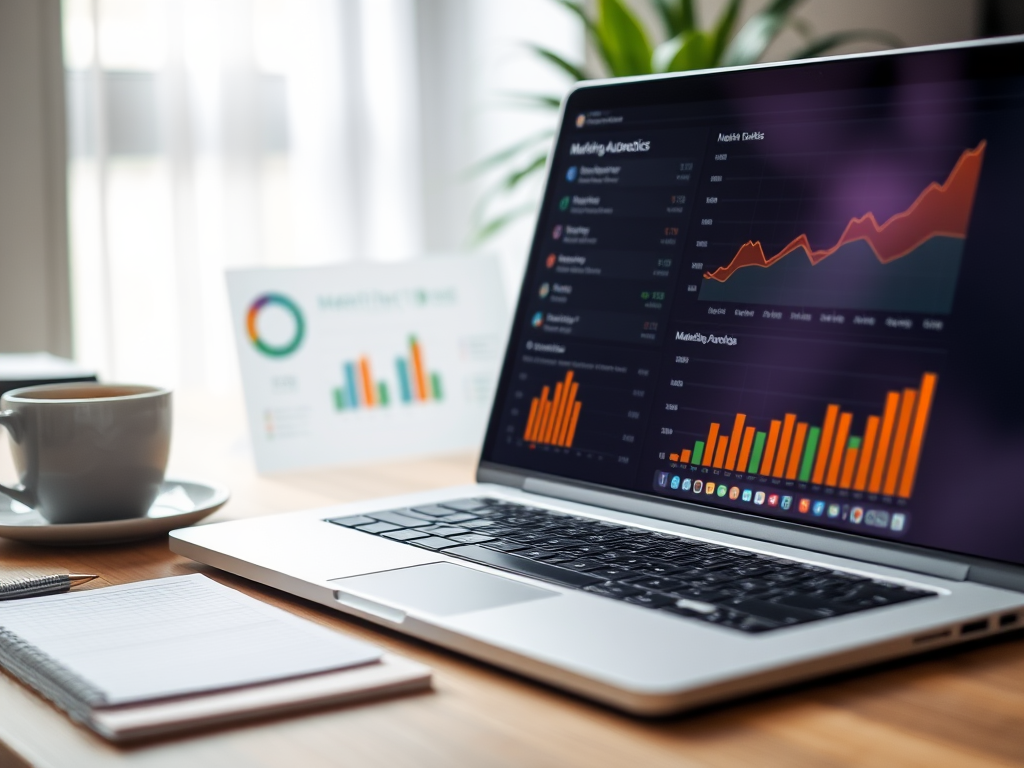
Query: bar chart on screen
<point>879,456</point>
<point>554,414</point>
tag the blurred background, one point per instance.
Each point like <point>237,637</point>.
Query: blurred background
<point>148,145</point>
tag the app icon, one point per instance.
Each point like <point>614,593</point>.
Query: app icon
<point>545,289</point>
<point>759,497</point>
<point>747,494</point>
<point>675,482</point>
<point>787,502</point>
<point>833,510</point>
<point>557,232</point>
<point>709,488</point>
<point>818,508</point>
<point>662,478</point>
<point>804,506</point>
<point>698,486</point>
<point>734,493</point>
<point>563,204</point>
<point>572,173</point>
<point>538,320</point>
<point>551,260</point>
<point>686,484</point>
<point>581,120</point>
<point>722,489</point>
<point>899,521</point>
<point>876,518</point>
<point>857,515</point>
<point>773,499</point>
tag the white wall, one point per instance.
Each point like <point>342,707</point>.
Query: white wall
<point>34,303</point>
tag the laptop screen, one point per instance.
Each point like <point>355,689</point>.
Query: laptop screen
<point>792,292</point>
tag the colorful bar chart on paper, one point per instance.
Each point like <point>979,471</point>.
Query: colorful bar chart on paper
<point>882,459</point>
<point>359,389</point>
<point>415,383</point>
<point>554,414</point>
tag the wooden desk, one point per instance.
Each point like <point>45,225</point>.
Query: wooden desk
<point>959,707</point>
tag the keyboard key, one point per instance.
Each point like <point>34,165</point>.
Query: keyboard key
<point>474,524</point>
<point>510,562</point>
<point>506,546</point>
<point>458,517</point>
<point>658,583</point>
<point>433,510</point>
<point>377,527</point>
<point>650,599</point>
<point>618,591</point>
<point>584,564</point>
<point>613,573</point>
<point>465,505</point>
<point>783,614</point>
<point>396,519</point>
<point>446,530</point>
<point>472,538</point>
<point>351,522</point>
<point>434,542</point>
<point>405,534</point>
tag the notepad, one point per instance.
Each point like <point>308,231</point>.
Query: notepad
<point>136,654</point>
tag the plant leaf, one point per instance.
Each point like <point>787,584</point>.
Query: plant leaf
<point>508,153</point>
<point>573,70</point>
<point>723,30</point>
<point>685,51</point>
<point>824,43</point>
<point>677,15</point>
<point>498,223</point>
<point>577,9</point>
<point>623,41</point>
<point>757,34</point>
<point>536,99</point>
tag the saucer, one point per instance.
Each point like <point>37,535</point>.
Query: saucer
<point>180,504</point>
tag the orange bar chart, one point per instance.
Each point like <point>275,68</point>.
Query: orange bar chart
<point>554,414</point>
<point>882,459</point>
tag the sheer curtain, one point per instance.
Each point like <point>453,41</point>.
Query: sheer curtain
<point>210,134</point>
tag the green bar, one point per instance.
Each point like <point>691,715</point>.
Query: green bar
<point>698,452</point>
<point>810,448</point>
<point>382,389</point>
<point>755,455</point>
<point>339,398</point>
<point>435,382</point>
<point>854,442</point>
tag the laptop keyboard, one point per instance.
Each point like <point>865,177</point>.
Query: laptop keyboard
<point>694,579</point>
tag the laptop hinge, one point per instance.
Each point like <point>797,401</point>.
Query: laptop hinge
<point>864,551</point>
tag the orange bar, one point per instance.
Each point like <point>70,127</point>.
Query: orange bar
<point>556,412</point>
<point>572,425</point>
<point>900,441</point>
<point>542,415</point>
<point>823,445</point>
<point>748,442</point>
<point>892,401</point>
<point>530,422</point>
<point>798,446</point>
<point>709,446</point>
<point>870,433</point>
<point>769,448</point>
<point>848,466</point>
<point>570,402</point>
<point>924,406</point>
<point>684,457</point>
<point>787,435</point>
<point>723,445</point>
<point>734,444</point>
<point>364,368</point>
<point>419,377</point>
<point>673,457</point>
<point>842,433</point>
<point>562,424</point>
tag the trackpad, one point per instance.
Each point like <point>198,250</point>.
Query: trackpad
<point>441,589</point>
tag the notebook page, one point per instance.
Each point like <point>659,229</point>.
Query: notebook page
<point>178,635</point>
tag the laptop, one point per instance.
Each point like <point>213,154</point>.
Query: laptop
<point>760,414</point>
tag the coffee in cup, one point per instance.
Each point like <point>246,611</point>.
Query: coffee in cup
<point>88,452</point>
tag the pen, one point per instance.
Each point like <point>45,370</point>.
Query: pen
<point>42,585</point>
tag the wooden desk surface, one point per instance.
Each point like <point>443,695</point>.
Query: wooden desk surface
<point>958,707</point>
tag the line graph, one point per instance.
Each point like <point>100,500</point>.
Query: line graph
<point>908,263</point>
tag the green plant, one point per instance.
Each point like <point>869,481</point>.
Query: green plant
<point>624,47</point>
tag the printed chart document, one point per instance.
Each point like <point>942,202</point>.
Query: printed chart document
<point>360,362</point>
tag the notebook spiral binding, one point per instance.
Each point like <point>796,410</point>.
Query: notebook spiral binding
<point>49,677</point>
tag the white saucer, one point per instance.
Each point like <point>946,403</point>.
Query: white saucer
<point>180,504</point>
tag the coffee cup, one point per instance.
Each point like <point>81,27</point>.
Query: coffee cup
<point>88,452</point>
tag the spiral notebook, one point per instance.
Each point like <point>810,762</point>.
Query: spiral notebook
<point>153,657</point>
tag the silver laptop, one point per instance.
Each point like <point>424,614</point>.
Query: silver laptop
<point>760,416</point>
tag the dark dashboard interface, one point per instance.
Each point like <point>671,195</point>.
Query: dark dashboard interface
<point>794,292</point>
